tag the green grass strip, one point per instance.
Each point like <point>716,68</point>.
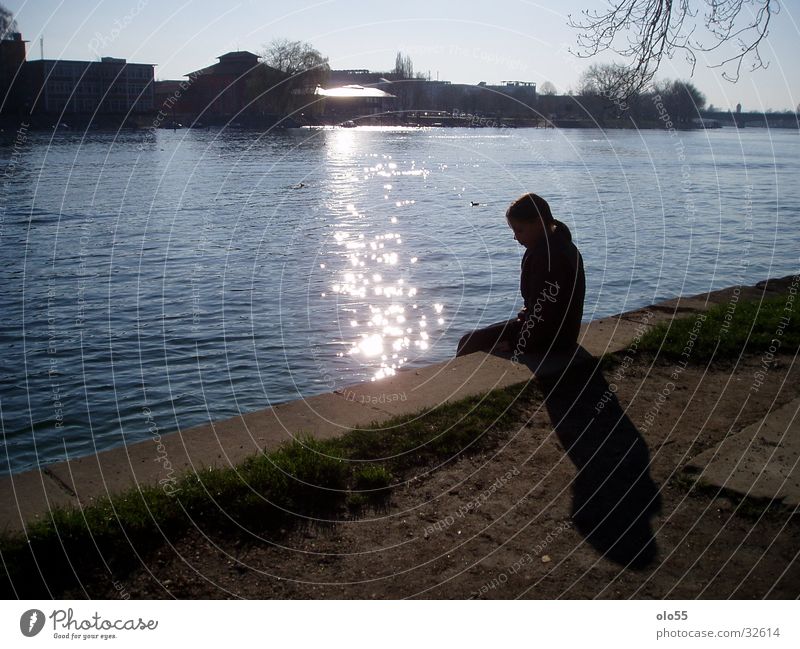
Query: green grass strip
<point>728,331</point>
<point>269,490</point>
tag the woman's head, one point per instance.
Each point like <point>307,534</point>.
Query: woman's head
<point>530,218</point>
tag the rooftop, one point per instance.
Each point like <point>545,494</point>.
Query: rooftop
<point>352,90</point>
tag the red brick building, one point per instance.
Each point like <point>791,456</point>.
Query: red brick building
<point>234,89</point>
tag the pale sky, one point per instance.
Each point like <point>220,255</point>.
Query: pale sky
<point>462,41</point>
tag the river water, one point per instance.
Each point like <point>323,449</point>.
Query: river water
<point>186,276</point>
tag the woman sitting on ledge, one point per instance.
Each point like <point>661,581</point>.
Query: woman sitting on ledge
<point>552,284</point>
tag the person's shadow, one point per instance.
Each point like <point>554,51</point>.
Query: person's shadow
<point>614,496</point>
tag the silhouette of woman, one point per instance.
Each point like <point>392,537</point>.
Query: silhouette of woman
<point>552,284</point>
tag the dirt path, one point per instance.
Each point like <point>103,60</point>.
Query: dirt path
<point>499,524</point>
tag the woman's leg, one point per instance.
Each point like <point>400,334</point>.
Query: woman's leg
<point>485,340</point>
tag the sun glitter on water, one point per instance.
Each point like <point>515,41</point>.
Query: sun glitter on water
<point>374,284</point>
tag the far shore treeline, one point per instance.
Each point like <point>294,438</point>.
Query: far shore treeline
<point>290,84</point>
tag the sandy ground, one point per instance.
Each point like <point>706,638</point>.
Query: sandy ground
<point>522,521</point>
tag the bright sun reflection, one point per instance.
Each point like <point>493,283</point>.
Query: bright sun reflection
<point>371,345</point>
<point>374,283</point>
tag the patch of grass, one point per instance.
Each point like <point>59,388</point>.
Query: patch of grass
<point>267,491</point>
<point>356,502</point>
<point>728,330</point>
<point>439,434</point>
<point>372,477</point>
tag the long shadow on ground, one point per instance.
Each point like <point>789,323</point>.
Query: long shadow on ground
<point>614,496</point>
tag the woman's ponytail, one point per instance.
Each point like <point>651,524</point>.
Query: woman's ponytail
<point>562,228</point>
<point>531,208</point>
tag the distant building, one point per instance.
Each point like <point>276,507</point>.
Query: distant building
<point>164,90</point>
<point>56,87</point>
<point>410,96</point>
<point>108,87</point>
<point>238,86</point>
<point>391,93</point>
<point>524,91</point>
<point>705,122</point>
<point>361,77</point>
<point>12,58</point>
<point>354,102</point>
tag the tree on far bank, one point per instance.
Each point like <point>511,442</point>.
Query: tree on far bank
<point>547,88</point>
<point>7,23</point>
<point>681,99</point>
<point>606,79</point>
<point>602,96</point>
<point>297,59</point>
<point>603,90</point>
<point>302,67</point>
<point>268,90</point>
<point>643,32</point>
<point>403,66</point>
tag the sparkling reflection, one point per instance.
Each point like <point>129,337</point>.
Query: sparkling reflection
<point>371,269</point>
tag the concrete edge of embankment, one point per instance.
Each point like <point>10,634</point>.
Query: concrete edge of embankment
<point>160,460</point>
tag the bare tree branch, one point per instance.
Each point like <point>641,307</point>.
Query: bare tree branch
<point>645,31</point>
<point>294,57</point>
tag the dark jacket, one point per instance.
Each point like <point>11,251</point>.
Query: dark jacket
<point>553,286</point>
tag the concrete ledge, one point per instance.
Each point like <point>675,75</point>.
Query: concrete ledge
<point>220,444</point>
<point>160,460</point>
<point>681,306</point>
<point>608,335</point>
<point>427,387</point>
<point>761,461</point>
<point>227,443</point>
<point>29,496</point>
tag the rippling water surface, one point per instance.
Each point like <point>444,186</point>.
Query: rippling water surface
<point>190,276</point>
